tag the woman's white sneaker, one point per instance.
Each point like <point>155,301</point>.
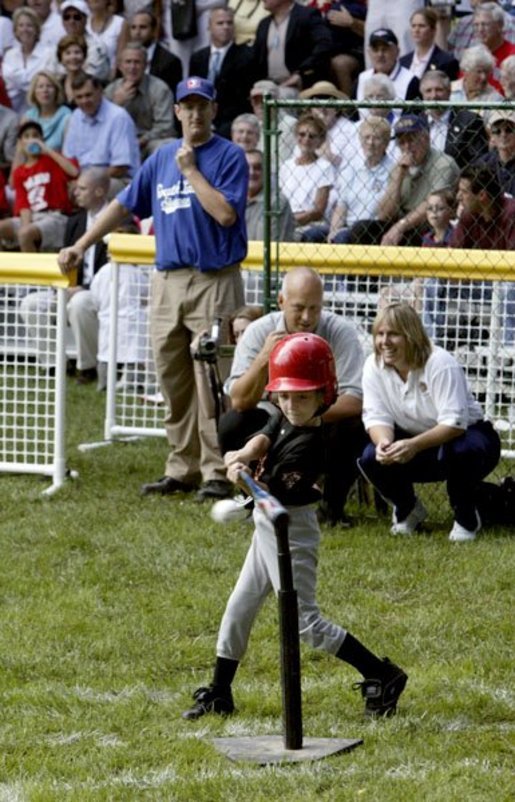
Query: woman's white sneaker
<point>459,534</point>
<point>410,523</point>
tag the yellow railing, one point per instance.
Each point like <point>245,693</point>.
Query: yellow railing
<point>23,268</point>
<point>352,259</point>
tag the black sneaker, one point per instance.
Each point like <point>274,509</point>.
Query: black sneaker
<point>166,487</point>
<point>210,700</point>
<point>381,695</point>
<point>214,489</point>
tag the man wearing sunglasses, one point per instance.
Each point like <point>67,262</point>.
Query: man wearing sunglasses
<point>501,159</point>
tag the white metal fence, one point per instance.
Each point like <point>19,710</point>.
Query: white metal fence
<point>32,373</point>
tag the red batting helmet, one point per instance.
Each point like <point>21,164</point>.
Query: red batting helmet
<point>303,362</point>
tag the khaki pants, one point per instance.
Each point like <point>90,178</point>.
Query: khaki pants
<point>185,302</point>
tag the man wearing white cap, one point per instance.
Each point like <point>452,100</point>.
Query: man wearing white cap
<point>74,14</point>
<point>501,159</point>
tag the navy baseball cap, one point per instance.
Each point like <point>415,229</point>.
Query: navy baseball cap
<point>410,124</point>
<point>195,86</point>
<point>384,36</point>
<point>30,124</point>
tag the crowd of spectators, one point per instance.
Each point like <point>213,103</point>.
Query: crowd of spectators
<point>97,79</point>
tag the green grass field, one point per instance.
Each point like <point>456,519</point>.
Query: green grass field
<point>110,605</point>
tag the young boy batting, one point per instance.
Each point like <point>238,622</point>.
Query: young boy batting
<point>289,456</point>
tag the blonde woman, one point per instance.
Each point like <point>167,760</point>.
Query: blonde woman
<point>22,61</point>
<point>424,423</point>
<point>47,107</point>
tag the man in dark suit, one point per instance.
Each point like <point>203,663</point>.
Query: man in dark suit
<point>161,63</point>
<point>458,132</point>
<point>228,66</point>
<point>440,60</point>
<point>292,45</point>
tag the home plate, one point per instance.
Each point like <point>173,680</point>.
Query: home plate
<point>266,749</point>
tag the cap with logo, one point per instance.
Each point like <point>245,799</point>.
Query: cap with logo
<point>195,86</point>
<point>383,36</point>
<point>410,124</point>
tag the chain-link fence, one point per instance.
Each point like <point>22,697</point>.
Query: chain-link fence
<point>410,202</point>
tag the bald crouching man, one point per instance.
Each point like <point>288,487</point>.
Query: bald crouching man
<point>301,310</point>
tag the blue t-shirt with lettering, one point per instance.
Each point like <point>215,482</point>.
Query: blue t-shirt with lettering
<point>186,235</point>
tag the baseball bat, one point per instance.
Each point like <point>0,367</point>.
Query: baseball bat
<point>267,503</point>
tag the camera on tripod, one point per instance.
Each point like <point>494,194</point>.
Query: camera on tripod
<point>207,348</point>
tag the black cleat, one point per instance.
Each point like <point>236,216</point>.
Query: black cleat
<point>210,700</point>
<point>166,486</point>
<point>381,695</point>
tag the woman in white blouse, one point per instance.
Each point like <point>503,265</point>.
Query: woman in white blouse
<point>27,57</point>
<point>105,27</point>
<point>424,423</point>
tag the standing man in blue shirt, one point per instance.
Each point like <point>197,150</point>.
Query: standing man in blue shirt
<point>195,189</point>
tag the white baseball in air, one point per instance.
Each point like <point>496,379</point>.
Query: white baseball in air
<point>227,510</point>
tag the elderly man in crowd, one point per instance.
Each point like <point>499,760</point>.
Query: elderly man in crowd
<point>489,31</point>
<point>458,132</point>
<point>301,309</point>
<point>383,50</point>
<point>476,64</point>
<point>419,170</point>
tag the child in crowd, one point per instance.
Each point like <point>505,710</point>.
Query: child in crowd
<point>40,180</point>
<point>289,455</point>
<point>440,211</point>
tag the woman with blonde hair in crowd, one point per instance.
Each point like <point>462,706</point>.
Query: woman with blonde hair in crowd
<point>424,423</point>
<point>47,107</point>
<point>22,61</point>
